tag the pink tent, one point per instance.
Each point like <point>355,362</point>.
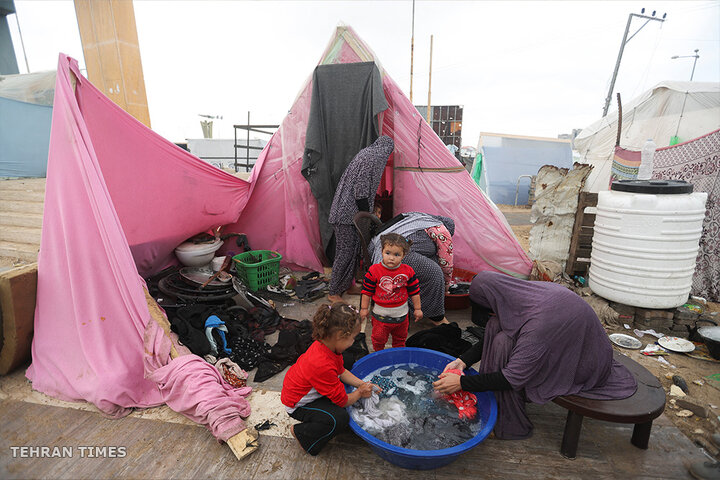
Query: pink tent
<point>282,215</point>
<point>114,189</point>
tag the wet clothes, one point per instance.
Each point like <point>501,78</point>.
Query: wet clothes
<point>346,99</point>
<point>321,420</point>
<point>547,342</point>
<point>357,188</point>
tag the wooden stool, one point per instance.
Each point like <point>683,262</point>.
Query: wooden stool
<point>641,408</point>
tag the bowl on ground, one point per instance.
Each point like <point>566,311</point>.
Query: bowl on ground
<point>459,301</point>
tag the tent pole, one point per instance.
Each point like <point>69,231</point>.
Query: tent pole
<point>412,48</point>
<point>430,79</point>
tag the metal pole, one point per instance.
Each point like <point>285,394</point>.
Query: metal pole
<point>412,49</point>
<point>430,79</point>
<point>247,146</point>
<point>694,63</point>
<point>235,146</point>
<point>22,42</point>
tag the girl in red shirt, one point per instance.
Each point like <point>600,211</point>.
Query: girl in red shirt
<point>313,390</point>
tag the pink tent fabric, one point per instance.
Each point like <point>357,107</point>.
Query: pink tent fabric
<point>281,214</point>
<point>113,185</point>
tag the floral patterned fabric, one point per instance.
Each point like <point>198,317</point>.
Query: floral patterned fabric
<point>698,162</point>
<point>443,240</point>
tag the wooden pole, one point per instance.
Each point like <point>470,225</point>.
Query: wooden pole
<point>619,130</point>
<point>430,79</point>
<point>112,53</point>
<point>412,49</point>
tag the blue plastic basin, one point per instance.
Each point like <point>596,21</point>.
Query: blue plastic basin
<point>421,459</point>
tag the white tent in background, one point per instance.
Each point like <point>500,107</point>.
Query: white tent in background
<point>684,109</point>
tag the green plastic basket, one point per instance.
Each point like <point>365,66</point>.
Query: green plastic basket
<point>258,268</point>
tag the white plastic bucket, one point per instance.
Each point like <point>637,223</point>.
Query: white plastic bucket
<point>645,246</point>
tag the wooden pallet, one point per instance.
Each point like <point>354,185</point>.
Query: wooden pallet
<point>578,261</point>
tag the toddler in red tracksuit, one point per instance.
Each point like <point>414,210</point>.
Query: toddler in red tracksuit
<point>389,284</point>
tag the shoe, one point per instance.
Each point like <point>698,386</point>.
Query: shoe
<point>705,470</point>
<point>715,439</point>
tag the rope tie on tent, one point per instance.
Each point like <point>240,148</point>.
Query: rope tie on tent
<point>419,135</point>
<point>430,169</point>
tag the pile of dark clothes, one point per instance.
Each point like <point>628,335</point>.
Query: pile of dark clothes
<point>239,334</point>
<point>446,338</point>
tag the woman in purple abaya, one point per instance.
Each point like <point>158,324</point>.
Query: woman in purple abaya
<point>543,341</point>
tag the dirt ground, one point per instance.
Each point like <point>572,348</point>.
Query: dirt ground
<point>701,391</point>
<point>522,232</point>
<point>694,371</point>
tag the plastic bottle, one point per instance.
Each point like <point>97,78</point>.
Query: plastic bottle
<point>647,157</point>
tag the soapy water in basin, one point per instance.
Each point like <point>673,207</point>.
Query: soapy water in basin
<point>409,413</point>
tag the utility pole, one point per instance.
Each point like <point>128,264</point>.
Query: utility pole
<point>625,41</point>
<point>430,79</point>
<point>412,49</point>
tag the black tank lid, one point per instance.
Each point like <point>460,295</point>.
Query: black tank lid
<point>665,187</point>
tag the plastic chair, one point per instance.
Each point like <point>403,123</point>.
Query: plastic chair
<point>364,223</point>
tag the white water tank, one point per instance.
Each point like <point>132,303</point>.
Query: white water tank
<point>645,242</point>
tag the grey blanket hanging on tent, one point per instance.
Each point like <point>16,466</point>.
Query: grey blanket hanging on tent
<point>346,99</point>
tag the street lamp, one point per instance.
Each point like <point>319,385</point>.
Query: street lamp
<point>696,56</point>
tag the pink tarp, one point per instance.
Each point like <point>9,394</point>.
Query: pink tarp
<point>94,337</point>
<point>281,214</point>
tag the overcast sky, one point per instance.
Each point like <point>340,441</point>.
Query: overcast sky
<point>526,68</point>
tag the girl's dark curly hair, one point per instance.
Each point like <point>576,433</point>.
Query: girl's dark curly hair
<point>332,318</point>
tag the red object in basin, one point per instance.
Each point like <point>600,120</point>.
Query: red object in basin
<point>459,302</point>
<point>464,401</point>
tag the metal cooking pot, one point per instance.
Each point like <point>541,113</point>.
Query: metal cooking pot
<point>694,335</point>
<point>711,337</point>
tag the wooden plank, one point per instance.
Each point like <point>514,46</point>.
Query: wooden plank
<point>574,241</point>
<point>582,253</point>
<point>156,449</point>
<point>588,199</point>
<point>18,290</point>
<point>585,239</point>
<point>588,220</point>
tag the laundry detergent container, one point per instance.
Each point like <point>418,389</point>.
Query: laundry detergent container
<point>422,459</point>
<point>645,242</point>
